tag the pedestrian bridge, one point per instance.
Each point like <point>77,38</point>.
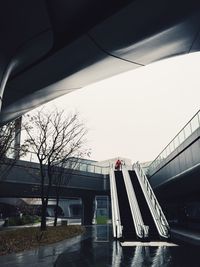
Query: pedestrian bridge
<point>174,176</point>
<point>177,167</point>
<point>23,180</point>
<point>84,181</point>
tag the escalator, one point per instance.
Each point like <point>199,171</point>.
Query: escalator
<point>155,209</point>
<point>136,213</point>
<point>124,207</point>
<point>144,209</point>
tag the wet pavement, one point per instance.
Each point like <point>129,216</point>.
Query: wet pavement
<point>96,248</point>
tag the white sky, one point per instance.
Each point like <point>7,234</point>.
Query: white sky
<point>136,114</point>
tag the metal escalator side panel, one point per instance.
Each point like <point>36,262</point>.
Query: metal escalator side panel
<point>155,209</point>
<point>112,206</point>
<point>135,210</point>
<point>150,227</point>
<point>164,224</point>
<point>116,220</point>
<point>161,224</point>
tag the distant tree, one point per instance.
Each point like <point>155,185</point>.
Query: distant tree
<point>53,137</point>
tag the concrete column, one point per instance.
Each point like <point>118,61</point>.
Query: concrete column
<point>87,210</point>
<point>4,79</point>
<point>18,124</point>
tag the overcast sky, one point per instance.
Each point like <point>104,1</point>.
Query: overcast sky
<point>136,114</point>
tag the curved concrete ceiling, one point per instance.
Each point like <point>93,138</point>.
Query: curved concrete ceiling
<point>50,48</point>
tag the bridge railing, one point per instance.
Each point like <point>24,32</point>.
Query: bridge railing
<point>75,164</point>
<point>184,133</point>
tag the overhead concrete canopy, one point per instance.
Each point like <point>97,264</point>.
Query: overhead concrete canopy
<point>50,48</point>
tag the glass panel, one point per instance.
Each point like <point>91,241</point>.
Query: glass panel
<point>78,166</point>
<point>10,153</point>
<point>90,168</point>
<point>167,151</point>
<point>187,131</point>
<point>195,123</point>
<point>72,165</point>
<point>105,170</point>
<point>163,156</point>
<point>34,158</point>
<point>83,167</point>
<point>158,160</point>
<point>198,115</point>
<point>171,146</point>
<point>29,156</point>
<point>97,169</point>
<point>176,142</point>
<point>181,136</point>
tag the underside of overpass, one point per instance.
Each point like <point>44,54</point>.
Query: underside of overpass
<point>17,191</point>
<point>50,48</point>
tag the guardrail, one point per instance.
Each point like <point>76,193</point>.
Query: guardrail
<point>75,164</point>
<point>116,220</point>
<point>184,133</point>
<point>156,211</point>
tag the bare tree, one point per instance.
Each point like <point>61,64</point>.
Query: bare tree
<point>10,150</point>
<point>53,137</point>
<point>64,173</point>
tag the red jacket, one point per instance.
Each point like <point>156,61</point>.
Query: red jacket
<point>118,164</point>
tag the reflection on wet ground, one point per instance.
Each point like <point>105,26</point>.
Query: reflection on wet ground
<point>98,249</point>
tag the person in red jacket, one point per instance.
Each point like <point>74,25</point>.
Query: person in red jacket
<point>118,165</point>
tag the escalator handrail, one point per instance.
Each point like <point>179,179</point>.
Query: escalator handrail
<point>135,210</point>
<point>116,220</point>
<point>156,211</point>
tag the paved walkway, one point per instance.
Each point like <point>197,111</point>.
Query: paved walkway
<point>96,248</point>
<point>44,256</point>
<point>186,236</point>
<point>50,222</point>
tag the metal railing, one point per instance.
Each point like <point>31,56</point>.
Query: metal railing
<point>116,220</point>
<point>87,167</point>
<point>184,133</point>
<point>156,211</point>
<point>75,164</point>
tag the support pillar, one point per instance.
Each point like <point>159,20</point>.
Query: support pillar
<point>87,209</point>
<point>4,79</point>
<point>18,124</point>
